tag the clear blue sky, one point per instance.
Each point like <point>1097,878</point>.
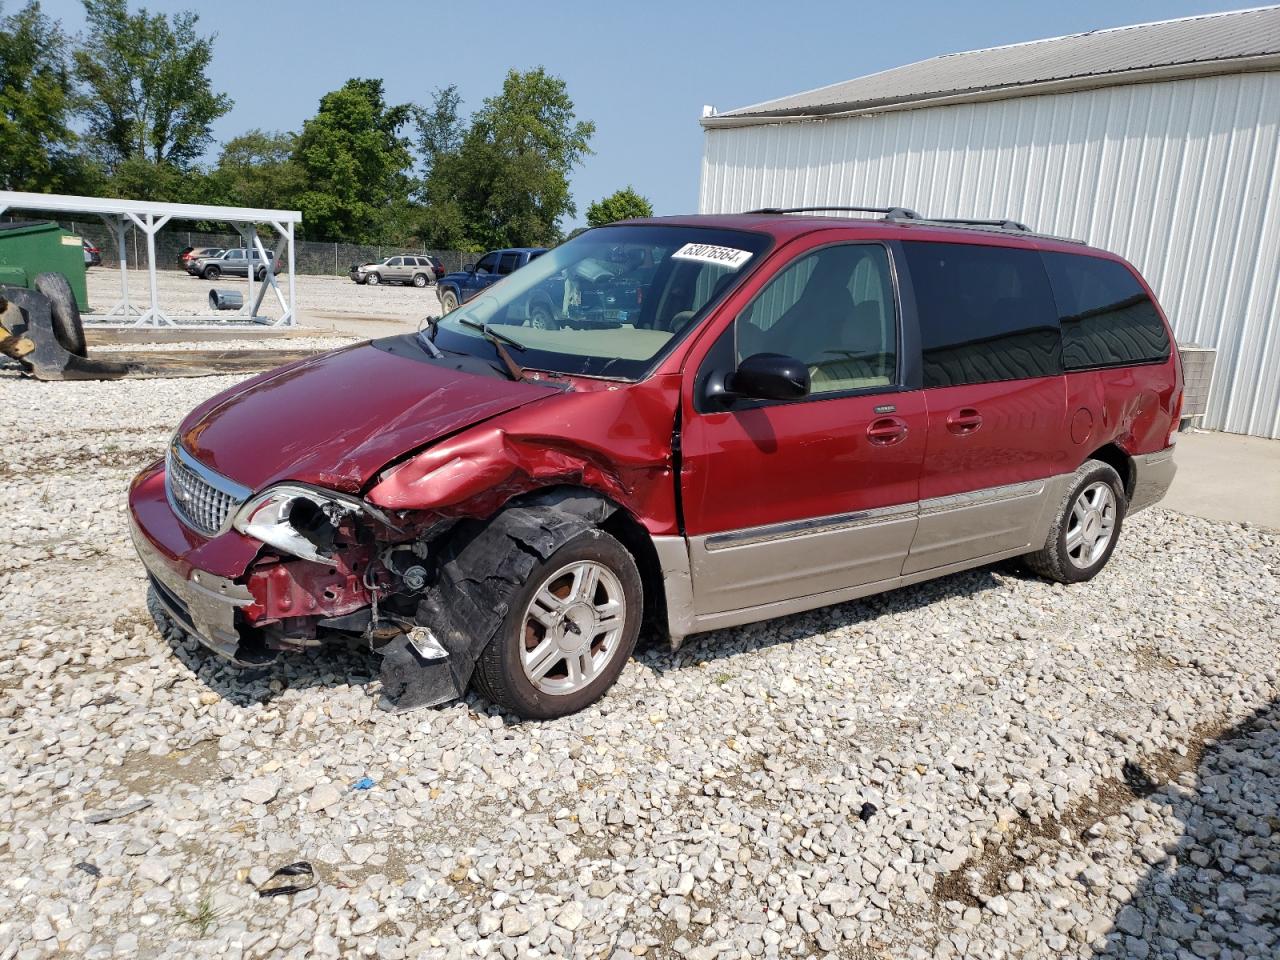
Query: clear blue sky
<point>641,71</point>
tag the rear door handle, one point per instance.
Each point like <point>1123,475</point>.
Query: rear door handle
<point>964,420</point>
<point>887,431</point>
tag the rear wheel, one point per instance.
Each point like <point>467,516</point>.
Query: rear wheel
<point>64,312</point>
<point>261,274</point>
<point>212,273</point>
<point>1085,528</point>
<point>448,301</point>
<point>568,632</point>
<point>372,279</point>
<point>419,280</point>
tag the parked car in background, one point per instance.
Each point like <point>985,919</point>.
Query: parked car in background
<point>92,255</point>
<point>198,253</point>
<point>455,289</point>
<point>803,410</point>
<point>231,263</point>
<point>418,270</point>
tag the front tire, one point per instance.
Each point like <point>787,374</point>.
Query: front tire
<point>212,273</point>
<point>568,632</point>
<point>448,301</point>
<point>372,279</point>
<point>541,317</point>
<point>1086,527</point>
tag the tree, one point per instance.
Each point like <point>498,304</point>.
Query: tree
<point>354,163</point>
<point>440,128</point>
<point>36,140</point>
<point>507,182</point>
<point>256,169</point>
<point>622,204</point>
<point>148,93</point>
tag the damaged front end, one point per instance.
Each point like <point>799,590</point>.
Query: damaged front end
<point>296,567</point>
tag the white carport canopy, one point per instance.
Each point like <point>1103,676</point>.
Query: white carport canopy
<point>149,217</point>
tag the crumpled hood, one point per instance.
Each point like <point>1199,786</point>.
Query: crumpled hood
<point>335,419</point>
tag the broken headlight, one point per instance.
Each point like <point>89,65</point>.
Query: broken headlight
<point>296,519</point>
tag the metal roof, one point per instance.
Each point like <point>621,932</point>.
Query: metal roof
<point>1144,52</point>
<point>59,203</point>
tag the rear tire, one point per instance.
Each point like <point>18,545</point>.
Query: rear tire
<point>64,312</point>
<point>419,280</point>
<point>261,275</point>
<point>1085,528</point>
<point>568,632</point>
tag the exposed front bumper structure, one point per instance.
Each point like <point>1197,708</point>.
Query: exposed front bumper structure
<point>205,604</point>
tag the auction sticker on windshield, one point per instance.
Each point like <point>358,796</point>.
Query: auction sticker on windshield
<point>708,253</point>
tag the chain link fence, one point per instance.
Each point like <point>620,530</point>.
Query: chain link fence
<point>310,256</point>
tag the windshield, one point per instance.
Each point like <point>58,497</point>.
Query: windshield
<point>609,302</point>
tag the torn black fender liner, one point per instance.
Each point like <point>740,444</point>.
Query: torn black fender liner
<point>482,564</point>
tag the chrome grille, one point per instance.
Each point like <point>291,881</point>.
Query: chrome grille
<point>202,499</point>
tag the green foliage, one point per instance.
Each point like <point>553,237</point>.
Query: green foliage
<point>507,181</point>
<point>622,204</point>
<point>353,162</point>
<point>256,169</point>
<point>147,91</point>
<point>440,128</point>
<point>36,140</point>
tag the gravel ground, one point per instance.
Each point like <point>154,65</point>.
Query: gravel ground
<point>181,294</point>
<point>986,766</point>
<point>317,344</point>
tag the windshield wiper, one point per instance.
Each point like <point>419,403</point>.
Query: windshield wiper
<point>497,339</point>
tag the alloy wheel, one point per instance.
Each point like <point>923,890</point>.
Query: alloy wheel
<point>573,627</point>
<point>1092,524</point>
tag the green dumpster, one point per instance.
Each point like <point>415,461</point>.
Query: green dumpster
<point>33,247</point>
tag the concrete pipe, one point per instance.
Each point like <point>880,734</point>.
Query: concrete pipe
<point>225,299</point>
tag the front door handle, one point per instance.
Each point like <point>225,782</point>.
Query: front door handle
<point>887,431</point>
<point>963,421</point>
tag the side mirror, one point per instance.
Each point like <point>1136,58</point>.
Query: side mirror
<point>468,268</point>
<point>770,376</point>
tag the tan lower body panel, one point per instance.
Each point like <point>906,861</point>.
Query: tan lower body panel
<point>737,577</point>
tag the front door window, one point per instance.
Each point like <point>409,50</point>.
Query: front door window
<point>833,309</point>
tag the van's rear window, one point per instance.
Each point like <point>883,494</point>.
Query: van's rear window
<point>1107,318</point>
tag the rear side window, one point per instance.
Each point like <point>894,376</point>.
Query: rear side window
<point>1106,316</point>
<point>986,313</point>
<point>508,263</point>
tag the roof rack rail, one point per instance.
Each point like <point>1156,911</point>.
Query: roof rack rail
<point>970,222</point>
<point>907,214</point>
<point>890,213</point>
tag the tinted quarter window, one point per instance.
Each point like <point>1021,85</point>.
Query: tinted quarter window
<point>833,309</point>
<point>1107,318</point>
<point>986,313</point>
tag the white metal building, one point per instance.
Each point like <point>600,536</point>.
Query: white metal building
<point>1160,141</point>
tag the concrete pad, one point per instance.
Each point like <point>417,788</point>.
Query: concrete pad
<point>1227,476</point>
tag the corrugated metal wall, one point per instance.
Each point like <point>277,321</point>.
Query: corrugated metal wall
<point>1182,178</point>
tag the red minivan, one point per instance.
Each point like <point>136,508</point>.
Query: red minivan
<point>796,411</point>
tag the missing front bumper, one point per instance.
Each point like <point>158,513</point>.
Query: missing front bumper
<point>204,605</point>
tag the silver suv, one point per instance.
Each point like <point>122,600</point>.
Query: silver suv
<point>417,270</point>
<point>231,263</point>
